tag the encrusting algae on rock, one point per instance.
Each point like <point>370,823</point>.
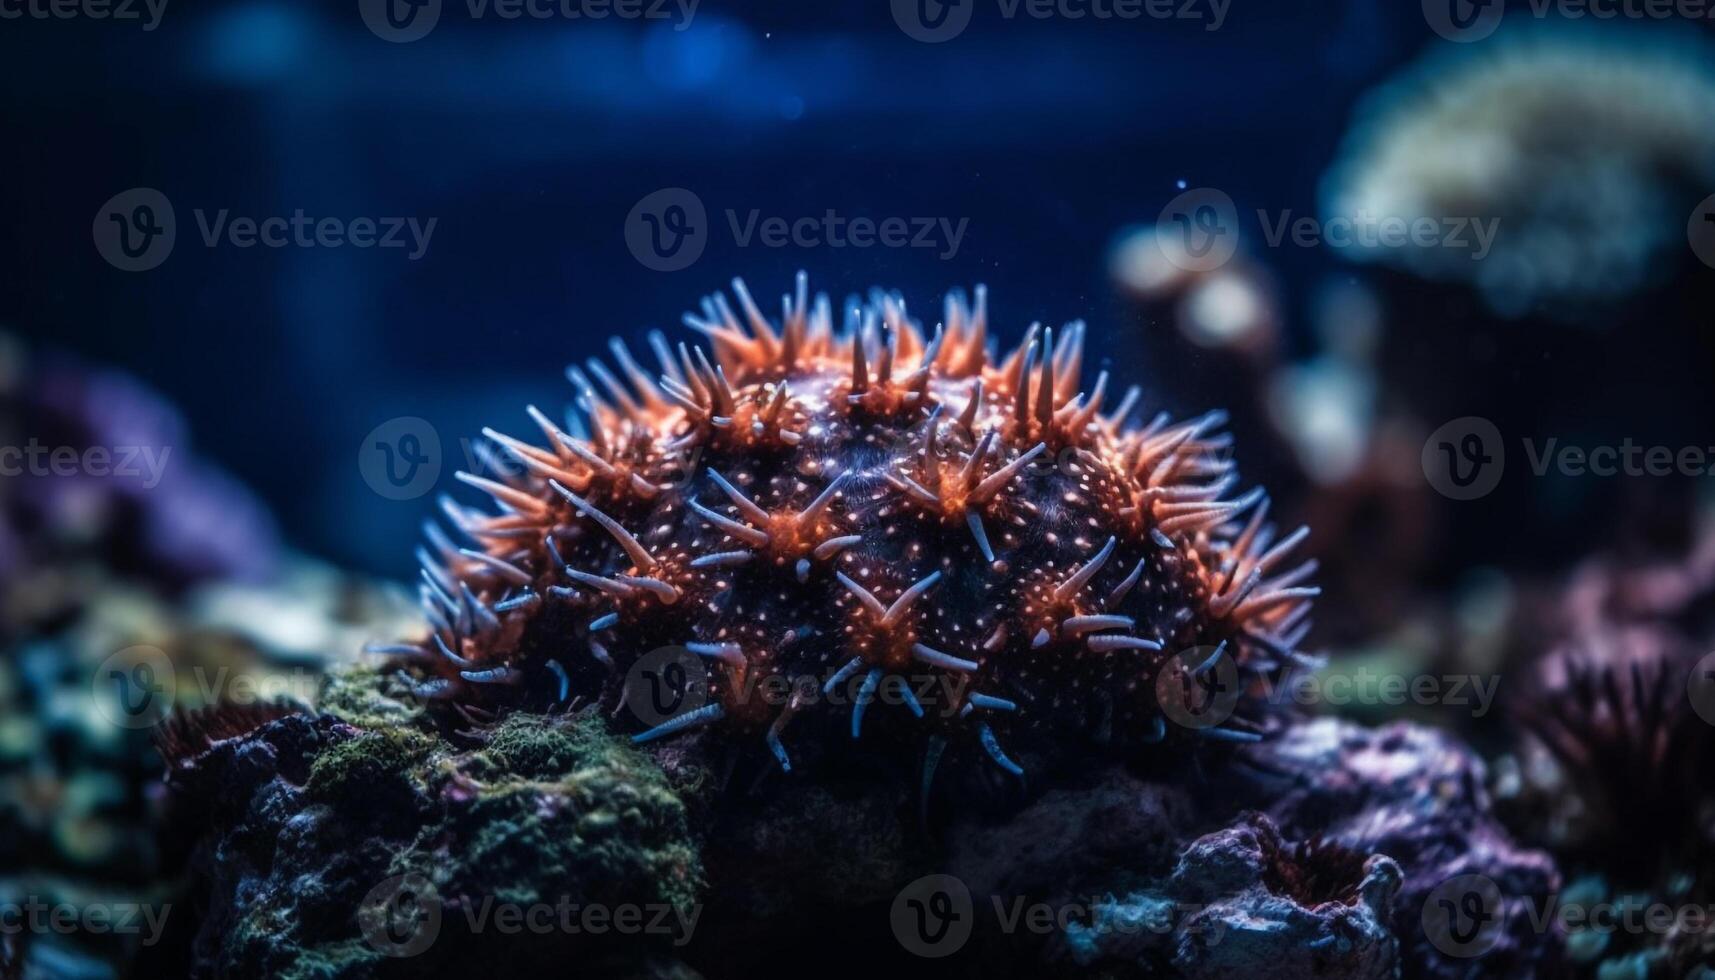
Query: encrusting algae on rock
<point>348,844</point>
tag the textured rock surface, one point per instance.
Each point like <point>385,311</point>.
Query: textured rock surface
<point>1135,874</point>
<point>346,850</point>
<point>1247,919</point>
<point>1419,797</point>
<point>1147,896</point>
<point>1075,837</point>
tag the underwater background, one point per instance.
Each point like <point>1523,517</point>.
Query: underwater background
<point>1432,261</point>
<point>529,142</point>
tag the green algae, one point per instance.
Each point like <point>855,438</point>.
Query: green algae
<point>537,809</point>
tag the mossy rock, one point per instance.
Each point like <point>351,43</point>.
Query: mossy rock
<point>546,748</point>
<point>371,764</point>
<point>568,808</point>
<point>364,696</point>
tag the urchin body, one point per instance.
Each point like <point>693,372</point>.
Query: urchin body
<point>862,531</point>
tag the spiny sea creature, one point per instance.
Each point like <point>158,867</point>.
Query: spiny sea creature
<point>946,546</point>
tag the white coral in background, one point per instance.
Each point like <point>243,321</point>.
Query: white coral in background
<point>1590,147</point>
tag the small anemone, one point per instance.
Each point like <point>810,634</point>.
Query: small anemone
<point>1613,713</point>
<point>188,734</point>
<point>1311,872</point>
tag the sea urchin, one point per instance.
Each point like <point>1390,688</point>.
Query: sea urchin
<point>831,518</point>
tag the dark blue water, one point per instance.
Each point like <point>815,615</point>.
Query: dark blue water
<point>528,142</point>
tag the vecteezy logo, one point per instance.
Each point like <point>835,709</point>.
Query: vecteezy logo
<point>1700,231</point>
<point>1464,20</point>
<point>401,916</point>
<point>933,916</point>
<point>134,231</point>
<point>1464,459</point>
<point>135,687</point>
<point>400,21</point>
<point>1700,688</point>
<point>400,459</point>
<point>1462,916</point>
<point>933,21</point>
<point>665,683</point>
<point>1198,231</point>
<point>1199,688</point>
<point>667,230</point>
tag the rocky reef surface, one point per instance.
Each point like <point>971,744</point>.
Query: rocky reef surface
<point>353,843</point>
<point>360,840</point>
<point>124,556</point>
